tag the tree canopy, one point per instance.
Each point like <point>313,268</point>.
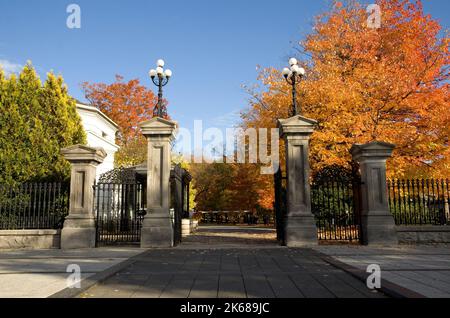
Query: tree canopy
<point>363,84</point>
<point>36,121</point>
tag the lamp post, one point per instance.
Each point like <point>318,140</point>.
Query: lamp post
<point>293,75</point>
<point>160,78</point>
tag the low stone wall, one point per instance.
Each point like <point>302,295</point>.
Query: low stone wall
<point>423,234</point>
<point>35,239</point>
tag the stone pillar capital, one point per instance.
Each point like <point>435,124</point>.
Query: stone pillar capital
<point>158,128</point>
<point>375,150</point>
<point>81,154</point>
<point>296,126</point>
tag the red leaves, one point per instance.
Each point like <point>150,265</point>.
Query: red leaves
<point>126,103</point>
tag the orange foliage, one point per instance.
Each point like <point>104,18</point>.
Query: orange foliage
<point>363,84</point>
<point>126,103</point>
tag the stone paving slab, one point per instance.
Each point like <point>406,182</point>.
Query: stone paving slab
<point>230,273</point>
<point>422,269</point>
<point>42,273</point>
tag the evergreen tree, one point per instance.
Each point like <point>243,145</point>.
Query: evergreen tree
<point>36,121</point>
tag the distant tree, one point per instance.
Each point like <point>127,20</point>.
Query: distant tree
<point>179,159</point>
<point>226,187</point>
<point>212,185</point>
<point>36,121</point>
<point>127,104</point>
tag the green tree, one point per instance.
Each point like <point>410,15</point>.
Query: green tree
<point>36,121</point>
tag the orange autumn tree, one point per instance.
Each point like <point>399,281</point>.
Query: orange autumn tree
<point>127,104</point>
<point>363,84</point>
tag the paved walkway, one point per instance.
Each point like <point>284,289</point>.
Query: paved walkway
<point>249,265</point>
<point>41,273</point>
<point>220,236</point>
<point>422,269</point>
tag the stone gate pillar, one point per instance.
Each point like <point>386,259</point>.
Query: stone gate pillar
<point>157,228</point>
<point>377,223</point>
<point>300,227</point>
<point>79,226</point>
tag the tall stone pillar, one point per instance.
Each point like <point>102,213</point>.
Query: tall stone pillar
<point>377,223</point>
<point>300,227</point>
<point>157,228</point>
<point>79,226</point>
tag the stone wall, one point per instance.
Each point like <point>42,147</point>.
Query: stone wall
<point>423,234</point>
<point>35,239</point>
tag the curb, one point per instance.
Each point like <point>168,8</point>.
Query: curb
<point>96,278</point>
<point>388,288</point>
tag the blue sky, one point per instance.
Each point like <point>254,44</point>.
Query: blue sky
<point>212,46</point>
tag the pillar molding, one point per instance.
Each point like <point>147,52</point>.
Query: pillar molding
<point>300,227</point>
<point>157,228</point>
<point>79,226</point>
<point>377,223</point>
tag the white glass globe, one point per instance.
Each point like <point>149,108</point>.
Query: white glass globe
<point>293,61</point>
<point>285,71</point>
<point>301,71</point>
<point>168,73</point>
<point>159,70</point>
<point>160,63</point>
<point>152,73</point>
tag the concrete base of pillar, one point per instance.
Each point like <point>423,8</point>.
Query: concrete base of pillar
<point>300,231</point>
<point>78,232</point>
<point>379,230</point>
<point>157,232</point>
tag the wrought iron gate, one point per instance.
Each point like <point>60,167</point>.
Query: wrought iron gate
<point>335,203</point>
<point>280,204</point>
<point>120,208</point>
<point>179,201</point>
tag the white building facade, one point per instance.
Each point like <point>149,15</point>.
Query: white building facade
<point>101,132</point>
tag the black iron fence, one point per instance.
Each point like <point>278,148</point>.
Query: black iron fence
<point>179,199</point>
<point>34,205</point>
<point>419,201</point>
<point>335,204</point>
<point>280,204</point>
<point>120,208</point>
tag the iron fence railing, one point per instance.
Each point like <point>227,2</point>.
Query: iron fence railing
<point>42,205</point>
<point>419,201</point>
<point>120,209</point>
<point>335,205</point>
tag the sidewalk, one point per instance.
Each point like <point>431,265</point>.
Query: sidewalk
<point>424,270</point>
<point>231,262</point>
<point>41,273</point>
